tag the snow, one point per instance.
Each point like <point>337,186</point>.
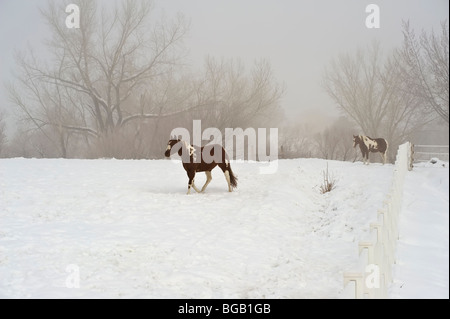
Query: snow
<point>127,229</point>
<point>422,267</point>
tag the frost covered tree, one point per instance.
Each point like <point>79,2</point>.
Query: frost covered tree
<point>91,83</point>
<point>2,134</point>
<point>242,98</point>
<point>118,84</point>
<point>425,67</point>
<point>335,142</point>
<point>368,88</point>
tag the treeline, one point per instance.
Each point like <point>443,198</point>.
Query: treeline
<point>117,86</point>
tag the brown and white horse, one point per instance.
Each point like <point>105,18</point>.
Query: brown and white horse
<point>368,144</point>
<point>202,159</point>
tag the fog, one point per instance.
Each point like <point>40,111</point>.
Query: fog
<point>297,38</point>
<point>131,83</point>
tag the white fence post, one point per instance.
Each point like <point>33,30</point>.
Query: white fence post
<point>377,255</point>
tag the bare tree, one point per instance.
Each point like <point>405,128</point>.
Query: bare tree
<point>97,71</point>
<point>240,98</point>
<point>229,96</point>
<point>117,85</point>
<point>369,89</point>
<point>425,66</point>
<point>30,143</point>
<point>2,134</point>
<point>343,128</point>
<point>296,140</point>
<point>326,144</point>
<point>335,142</point>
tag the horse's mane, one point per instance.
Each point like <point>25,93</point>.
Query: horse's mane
<point>189,148</point>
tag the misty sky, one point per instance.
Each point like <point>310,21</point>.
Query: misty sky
<point>299,38</point>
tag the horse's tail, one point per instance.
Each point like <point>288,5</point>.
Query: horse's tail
<point>227,167</point>
<point>233,178</point>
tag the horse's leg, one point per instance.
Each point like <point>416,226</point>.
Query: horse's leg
<point>383,158</point>
<point>224,168</point>
<point>208,180</point>
<point>191,175</point>
<point>195,187</point>
<point>227,176</point>
<point>191,179</point>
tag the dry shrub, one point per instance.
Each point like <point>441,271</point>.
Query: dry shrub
<point>329,182</point>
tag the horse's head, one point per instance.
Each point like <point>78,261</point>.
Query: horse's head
<point>172,142</point>
<point>356,140</point>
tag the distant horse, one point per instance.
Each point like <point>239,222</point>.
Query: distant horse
<point>202,159</point>
<point>368,144</point>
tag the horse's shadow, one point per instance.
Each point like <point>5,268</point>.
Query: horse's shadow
<point>177,190</point>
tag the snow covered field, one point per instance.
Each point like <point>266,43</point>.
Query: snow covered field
<point>422,268</point>
<point>127,229</point>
